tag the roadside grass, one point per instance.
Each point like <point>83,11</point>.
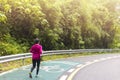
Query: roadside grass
<point>18,63</point>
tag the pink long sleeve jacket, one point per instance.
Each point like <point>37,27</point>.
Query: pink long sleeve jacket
<point>36,51</point>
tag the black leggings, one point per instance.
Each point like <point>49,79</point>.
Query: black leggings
<point>34,62</point>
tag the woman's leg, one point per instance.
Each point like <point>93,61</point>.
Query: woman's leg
<point>33,67</point>
<point>38,64</point>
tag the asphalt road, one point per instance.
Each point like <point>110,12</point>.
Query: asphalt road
<point>104,70</point>
<point>98,67</point>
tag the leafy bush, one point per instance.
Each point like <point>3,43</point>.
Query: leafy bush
<point>9,46</point>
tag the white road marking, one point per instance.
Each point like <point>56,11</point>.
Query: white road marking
<point>96,61</point>
<point>89,62</point>
<point>102,59</point>
<point>71,70</point>
<point>7,72</point>
<point>79,65</point>
<point>64,77</point>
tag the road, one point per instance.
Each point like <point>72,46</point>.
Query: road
<point>96,67</point>
<point>104,70</point>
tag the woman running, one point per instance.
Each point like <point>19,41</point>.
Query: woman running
<point>36,51</point>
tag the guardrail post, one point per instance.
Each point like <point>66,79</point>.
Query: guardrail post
<point>23,60</point>
<point>70,52</point>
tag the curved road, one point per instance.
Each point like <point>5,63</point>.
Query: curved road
<point>104,70</point>
<point>96,67</point>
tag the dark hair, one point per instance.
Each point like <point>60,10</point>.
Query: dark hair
<point>36,41</point>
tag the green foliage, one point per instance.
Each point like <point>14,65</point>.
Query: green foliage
<point>9,46</point>
<point>3,18</point>
<point>60,24</point>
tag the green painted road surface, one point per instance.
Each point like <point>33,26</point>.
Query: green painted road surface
<point>49,70</point>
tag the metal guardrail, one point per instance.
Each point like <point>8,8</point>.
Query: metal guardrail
<point>28,55</point>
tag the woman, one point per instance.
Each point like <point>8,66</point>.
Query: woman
<point>36,51</point>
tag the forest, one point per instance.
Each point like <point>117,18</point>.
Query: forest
<point>59,24</point>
